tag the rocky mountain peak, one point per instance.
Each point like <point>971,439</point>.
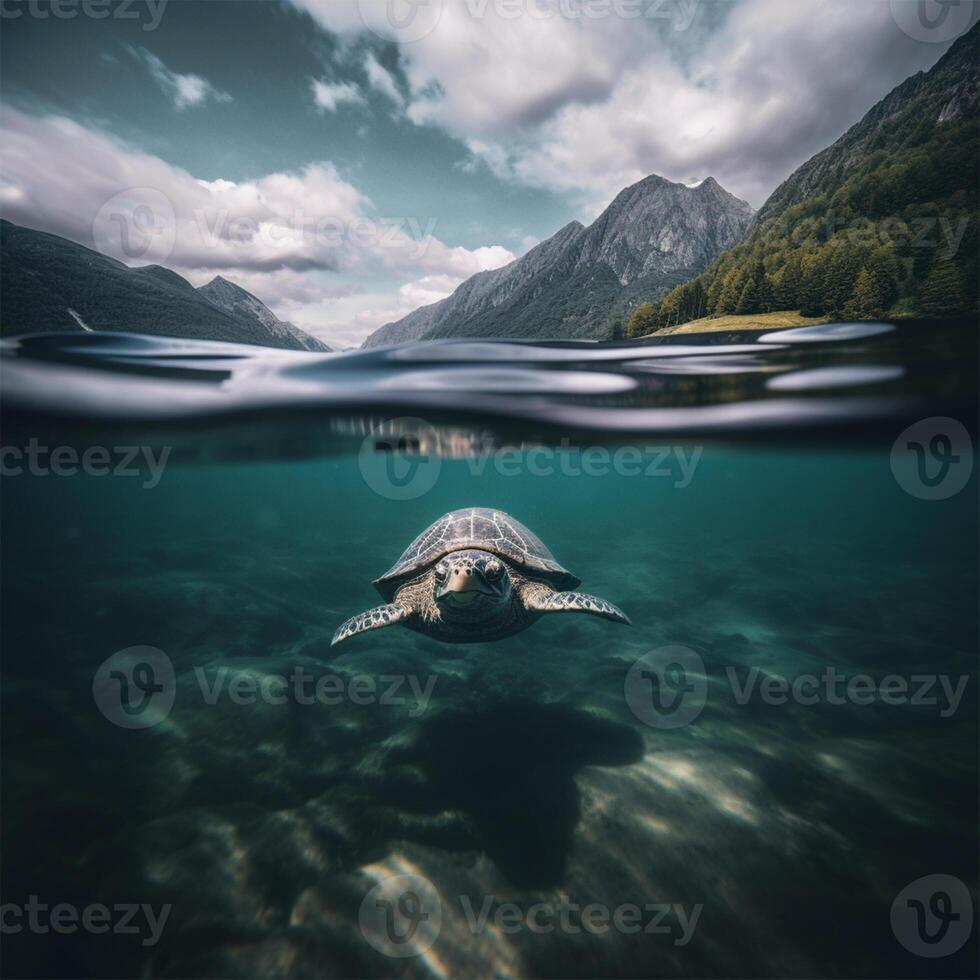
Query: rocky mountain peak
<point>653,234</point>
<point>236,300</point>
<point>659,226</point>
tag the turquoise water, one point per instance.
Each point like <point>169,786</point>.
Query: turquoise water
<point>759,838</point>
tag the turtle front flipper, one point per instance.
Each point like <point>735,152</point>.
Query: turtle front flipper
<point>374,619</point>
<point>539,598</point>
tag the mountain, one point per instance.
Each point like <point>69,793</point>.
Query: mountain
<point>49,283</point>
<point>582,280</point>
<point>242,304</point>
<point>481,292</point>
<point>884,222</point>
<point>915,111</point>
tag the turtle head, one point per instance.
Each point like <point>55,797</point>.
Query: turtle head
<point>469,580</point>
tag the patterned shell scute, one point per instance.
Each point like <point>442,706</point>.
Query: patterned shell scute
<point>478,527</point>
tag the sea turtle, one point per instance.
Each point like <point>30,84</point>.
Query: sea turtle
<point>475,575</point>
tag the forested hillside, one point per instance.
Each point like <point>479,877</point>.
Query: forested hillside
<point>882,223</point>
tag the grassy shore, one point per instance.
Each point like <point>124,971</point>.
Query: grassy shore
<point>753,321</point>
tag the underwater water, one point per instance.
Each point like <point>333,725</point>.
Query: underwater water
<point>745,782</point>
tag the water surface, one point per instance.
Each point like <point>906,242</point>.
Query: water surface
<point>764,528</point>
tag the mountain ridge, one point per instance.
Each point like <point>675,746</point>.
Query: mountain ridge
<point>50,283</point>
<point>885,221</point>
<point>653,234</point>
<point>950,66</point>
<point>238,301</point>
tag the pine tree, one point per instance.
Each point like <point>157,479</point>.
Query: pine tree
<point>812,288</point>
<point>731,291</point>
<point>968,256</point>
<point>841,274</point>
<point>713,292</point>
<point>670,312</point>
<point>642,321</point>
<point>766,294</point>
<point>694,300</point>
<point>763,299</point>
<point>866,302</point>
<point>748,302</point>
<point>789,287</point>
<point>942,293</point>
<point>883,265</point>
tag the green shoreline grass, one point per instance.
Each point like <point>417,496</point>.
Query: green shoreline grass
<point>749,321</point>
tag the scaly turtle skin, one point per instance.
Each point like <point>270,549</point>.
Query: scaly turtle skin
<point>475,575</point>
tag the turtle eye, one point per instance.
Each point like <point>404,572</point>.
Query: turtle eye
<point>442,570</point>
<point>492,568</point>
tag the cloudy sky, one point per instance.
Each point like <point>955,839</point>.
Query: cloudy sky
<point>350,160</point>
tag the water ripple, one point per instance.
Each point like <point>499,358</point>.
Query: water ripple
<point>723,385</point>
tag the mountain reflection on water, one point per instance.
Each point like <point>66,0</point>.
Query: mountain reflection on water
<point>839,381</point>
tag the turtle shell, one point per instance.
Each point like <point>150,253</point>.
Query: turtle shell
<point>476,527</point>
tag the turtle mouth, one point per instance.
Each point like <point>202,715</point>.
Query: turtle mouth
<point>462,599</point>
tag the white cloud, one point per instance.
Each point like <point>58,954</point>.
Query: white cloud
<point>528,242</point>
<point>380,79</point>
<point>329,95</point>
<point>185,90</point>
<point>577,97</point>
<point>782,81</point>
<point>425,291</point>
<point>308,243</point>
